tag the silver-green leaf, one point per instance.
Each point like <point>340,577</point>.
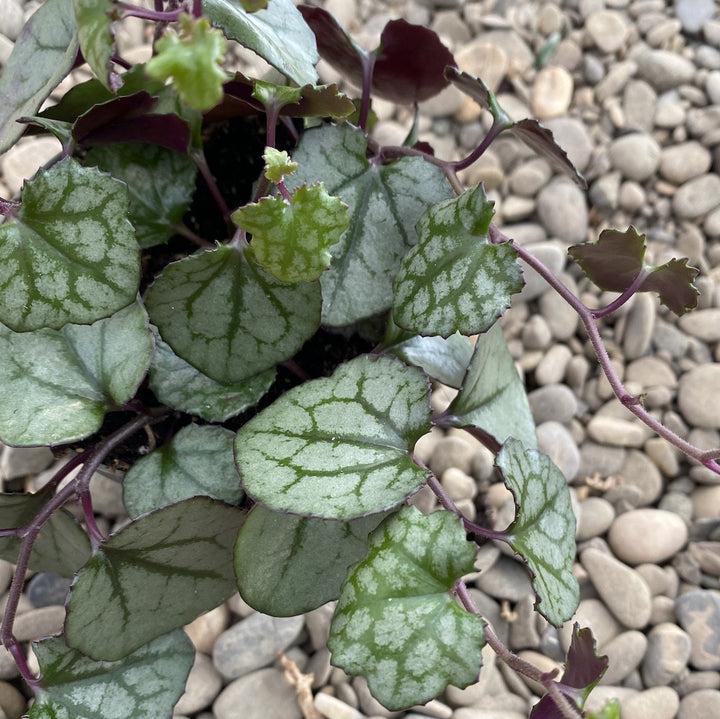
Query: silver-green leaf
<point>287,565</point>
<point>229,318</point>
<point>43,54</point>
<point>197,461</point>
<point>492,396</point>
<point>543,532</point>
<point>57,385</point>
<point>339,447</point>
<point>455,280</point>
<point>179,385</point>
<point>277,33</point>
<point>396,622</point>
<point>70,254</point>
<point>385,202</point>
<point>144,685</point>
<point>155,574</point>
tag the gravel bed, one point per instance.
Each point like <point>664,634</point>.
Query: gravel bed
<point>632,92</point>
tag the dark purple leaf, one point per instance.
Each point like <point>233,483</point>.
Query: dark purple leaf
<point>335,45</point>
<point>114,110</point>
<point>410,64</point>
<point>617,258</point>
<point>584,668</point>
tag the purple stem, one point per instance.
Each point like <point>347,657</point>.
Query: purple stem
<point>588,319</point>
<point>199,158</point>
<point>185,231</point>
<point>8,207</point>
<point>495,130</point>
<point>153,15</point>
<point>368,63</point>
<point>521,666</point>
<point>623,298</point>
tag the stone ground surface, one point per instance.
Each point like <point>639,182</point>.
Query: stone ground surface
<point>632,92</point>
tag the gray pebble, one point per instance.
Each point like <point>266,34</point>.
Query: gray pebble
<point>657,702</point>
<point>616,432</point>
<point>697,197</point>
<point>703,324</point>
<point>639,471</point>
<point>563,211</point>
<point>625,652</point>
<point>46,589</point>
<point>684,161</point>
<point>202,686</point>
<point>505,579</point>
<point>697,393</point>
<point>702,703</point>
<point>529,177</point>
<point>554,402</point>
<point>551,368</point>
<point>599,459</point>
<point>647,535</point>
<point>699,614</point>
<point>261,694</point>
<point>639,102</point>
<point>694,13</point>
<point>665,70</point>
<point>636,155</point>
<point>574,137</point>
<point>639,326</point>
<point>663,610</point>
<point>557,443</point>
<point>38,623</point>
<point>667,655</point>
<point>596,516</point>
<point>11,18</point>
<point>451,452</point>
<point>254,643</point>
<point>551,255</point>
<point>19,461</point>
<point>560,316</point>
<point>650,372</point>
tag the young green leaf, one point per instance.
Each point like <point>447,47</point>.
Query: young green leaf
<point>56,385</point>
<point>385,202</point>
<point>42,55</point>
<point>443,359</point>
<point>160,182</point>
<point>227,317</point>
<point>97,39</point>
<point>180,386</point>
<point>144,685</point>
<point>287,565</point>
<point>155,574</point>
<point>277,164</point>
<point>492,396</point>
<point>62,546</point>
<point>277,33</point>
<point>291,239</point>
<point>543,532</point>
<point>339,447</point>
<point>396,622</point>
<point>70,255</point>
<point>61,130</point>
<point>617,260</point>
<point>197,461</point>
<point>455,280</point>
<point>192,59</point>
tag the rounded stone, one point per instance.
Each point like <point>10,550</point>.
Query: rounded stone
<point>12,702</point>
<point>552,92</point>
<point>636,156</point>
<point>553,402</point>
<point>457,484</point>
<point>664,69</point>
<point>647,535</point>
<point>562,209</point>
<point>657,702</point>
<point>574,137</point>
<point>698,391</point>
<point>607,29</point>
<point>556,442</point>
<point>697,197</point>
<point>667,655</point>
<point>39,623</point>
<point>261,694</point>
<point>706,502</point>
<point>680,163</point>
<point>639,471</point>
<point>202,686</point>
<point>204,631</point>
<point>703,324</point>
<point>624,652</point>
<point>699,614</point>
<point>451,452</point>
<point>596,516</point>
<point>702,703</point>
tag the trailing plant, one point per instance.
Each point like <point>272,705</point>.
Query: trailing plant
<point>227,284</point>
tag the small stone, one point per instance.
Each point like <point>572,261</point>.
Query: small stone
<point>554,402</point>
<point>663,610</point>
<point>20,461</point>
<point>204,631</point>
<point>596,516</point>
<point>254,643</point>
<point>706,502</point>
<point>707,555</point>
<point>332,708</point>
<point>258,695</point>
<point>667,655</point>
<point>505,579</point>
<point>545,664</point>
<point>647,535</point>
<point>457,484</point>
<point>636,155</point>
<point>699,614</point>
<point>625,592</point>
<point>703,324</point>
<point>552,92</point>
<point>657,702</point>
<point>650,371</point>
<point>640,472</point>
<point>632,197</point>
<point>45,589</point>
<point>665,70</point>
<point>202,686</point>
<point>598,459</point>
<point>697,197</point>
<point>616,432</point>
<point>701,703</point>
<point>697,393</point>
<point>11,18</point>
<point>557,443</point>
<point>526,179</point>
<point>639,103</point>
<point>562,209</point>
<point>624,652</point>
<point>551,255</point>
<point>693,14</point>
<point>319,666</point>
<point>39,623</point>
<point>574,137</point>
<point>608,30</point>
<point>12,702</point>
<point>639,325</point>
<point>451,452</point>
<point>559,315</point>
<point>8,668</point>
<point>684,161</point>
<point>483,59</point>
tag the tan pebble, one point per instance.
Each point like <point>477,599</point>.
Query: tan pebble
<point>39,623</point>
<point>657,702</point>
<point>207,628</point>
<point>12,702</point>
<point>647,535</point>
<point>552,92</point>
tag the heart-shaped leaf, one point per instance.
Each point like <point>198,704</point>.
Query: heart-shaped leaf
<point>179,385</point>
<point>160,182</point>
<point>287,565</point>
<point>617,261</point>
<point>192,60</point>
<point>97,38</point>
<point>143,685</point>
<point>56,385</point>
<point>531,132</point>
<point>291,238</point>
<point>277,33</point>
<point>396,622</point>
<point>455,280</point>
<point>42,55</point>
<point>197,461</point>
<point>62,546</point>
<point>339,447</point>
<point>70,255</point>
<point>492,396</point>
<point>384,201</point>
<point>543,532</point>
<point>227,317</point>
<point>155,574</point>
